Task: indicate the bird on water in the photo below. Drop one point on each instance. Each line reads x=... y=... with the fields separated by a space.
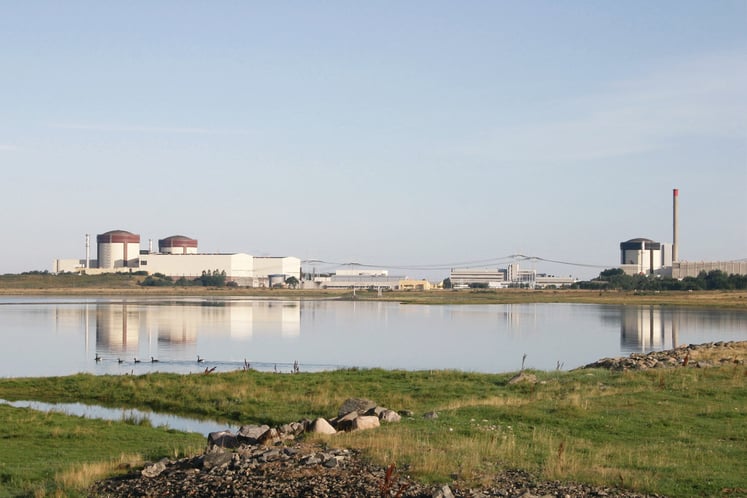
x=137 y=361
x=200 y=360
x=153 y=360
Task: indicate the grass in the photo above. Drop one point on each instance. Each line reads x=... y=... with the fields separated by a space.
x=679 y=432
x=52 y=454
x=128 y=285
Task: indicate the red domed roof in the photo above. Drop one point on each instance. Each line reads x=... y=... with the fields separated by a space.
x=118 y=236
x=177 y=241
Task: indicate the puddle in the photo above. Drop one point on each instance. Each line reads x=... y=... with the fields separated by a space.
x=120 y=414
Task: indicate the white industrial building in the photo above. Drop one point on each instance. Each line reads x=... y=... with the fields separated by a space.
x=497 y=278
x=177 y=257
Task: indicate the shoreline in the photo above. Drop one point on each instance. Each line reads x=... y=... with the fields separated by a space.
x=709 y=299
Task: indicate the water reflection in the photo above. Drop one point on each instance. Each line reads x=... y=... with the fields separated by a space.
x=53 y=336
x=175 y=422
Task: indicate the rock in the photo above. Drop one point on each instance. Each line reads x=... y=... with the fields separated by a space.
x=390 y=416
x=376 y=410
x=443 y=492
x=430 y=415
x=406 y=413
x=154 y=469
x=365 y=422
x=321 y=426
x=250 y=434
x=223 y=439
x=270 y=437
x=523 y=377
x=216 y=459
x=360 y=405
x=344 y=423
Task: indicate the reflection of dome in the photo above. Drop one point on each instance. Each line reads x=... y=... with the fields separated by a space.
x=177 y=244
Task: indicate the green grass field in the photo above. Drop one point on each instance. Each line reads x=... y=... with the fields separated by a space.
x=679 y=432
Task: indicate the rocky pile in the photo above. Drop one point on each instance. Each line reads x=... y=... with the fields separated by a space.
x=263 y=461
x=689 y=355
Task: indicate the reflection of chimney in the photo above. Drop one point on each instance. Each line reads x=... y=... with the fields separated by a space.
x=675 y=231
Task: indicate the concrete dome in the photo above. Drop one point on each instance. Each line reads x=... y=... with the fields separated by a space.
x=115 y=236
x=177 y=244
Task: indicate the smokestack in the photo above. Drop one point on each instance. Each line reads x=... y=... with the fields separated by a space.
x=675 y=229
x=88 y=251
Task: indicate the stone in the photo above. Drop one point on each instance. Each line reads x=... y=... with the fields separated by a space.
x=376 y=410
x=443 y=492
x=406 y=413
x=360 y=405
x=365 y=422
x=250 y=434
x=523 y=377
x=430 y=415
x=344 y=423
x=390 y=416
x=223 y=439
x=154 y=469
x=216 y=459
x=321 y=426
x=269 y=437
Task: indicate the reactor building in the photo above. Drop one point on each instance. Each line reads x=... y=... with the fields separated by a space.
x=645 y=256
x=177 y=257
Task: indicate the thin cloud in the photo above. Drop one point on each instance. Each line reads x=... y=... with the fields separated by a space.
x=148 y=129
x=700 y=97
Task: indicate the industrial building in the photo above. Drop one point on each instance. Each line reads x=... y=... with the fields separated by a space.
x=177 y=257
x=498 y=278
x=644 y=256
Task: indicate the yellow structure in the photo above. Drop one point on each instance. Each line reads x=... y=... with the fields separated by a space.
x=418 y=285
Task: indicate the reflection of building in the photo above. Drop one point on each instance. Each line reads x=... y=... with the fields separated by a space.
x=645 y=329
x=125 y=328
x=117 y=328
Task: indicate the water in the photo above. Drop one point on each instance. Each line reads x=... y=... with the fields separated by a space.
x=47 y=336
x=174 y=422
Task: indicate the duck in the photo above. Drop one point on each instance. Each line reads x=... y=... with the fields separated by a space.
x=137 y=361
x=200 y=360
x=120 y=360
x=153 y=360
x=98 y=358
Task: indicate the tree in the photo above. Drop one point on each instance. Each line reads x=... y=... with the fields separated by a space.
x=292 y=282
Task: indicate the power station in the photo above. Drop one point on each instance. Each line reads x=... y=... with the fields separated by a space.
x=645 y=256
x=119 y=251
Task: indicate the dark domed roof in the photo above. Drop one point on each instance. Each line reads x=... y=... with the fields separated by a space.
x=177 y=241
x=118 y=236
x=640 y=239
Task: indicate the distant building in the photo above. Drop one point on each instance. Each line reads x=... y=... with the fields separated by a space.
x=177 y=257
x=644 y=256
x=512 y=276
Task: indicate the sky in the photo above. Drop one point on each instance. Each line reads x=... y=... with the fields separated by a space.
x=415 y=136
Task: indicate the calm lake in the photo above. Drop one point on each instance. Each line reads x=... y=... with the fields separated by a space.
x=46 y=336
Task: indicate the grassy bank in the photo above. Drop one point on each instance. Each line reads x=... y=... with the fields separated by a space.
x=121 y=285
x=51 y=454
x=680 y=432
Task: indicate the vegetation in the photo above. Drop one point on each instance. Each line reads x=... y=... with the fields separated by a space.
x=713 y=280
x=52 y=454
x=679 y=432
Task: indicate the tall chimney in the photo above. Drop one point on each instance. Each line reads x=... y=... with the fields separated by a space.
x=675 y=229
x=88 y=251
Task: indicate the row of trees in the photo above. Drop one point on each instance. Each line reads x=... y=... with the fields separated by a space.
x=215 y=278
x=616 y=279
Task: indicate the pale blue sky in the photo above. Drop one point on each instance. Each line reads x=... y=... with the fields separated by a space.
x=386 y=133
